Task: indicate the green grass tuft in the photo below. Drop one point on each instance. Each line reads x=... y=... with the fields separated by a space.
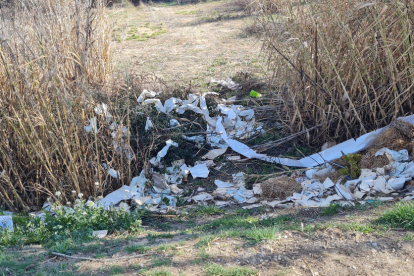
x=218 y=270
x=331 y=210
x=401 y=216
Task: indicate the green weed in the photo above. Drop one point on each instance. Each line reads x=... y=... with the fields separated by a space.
x=218 y=270
x=331 y=210
x=401 y=216
x=256 y=235
x=136 y=248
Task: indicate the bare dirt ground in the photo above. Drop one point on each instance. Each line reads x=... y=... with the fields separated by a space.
x=308 y=243
x=186 y=43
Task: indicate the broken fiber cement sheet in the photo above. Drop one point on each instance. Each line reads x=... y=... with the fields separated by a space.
x=335 y=152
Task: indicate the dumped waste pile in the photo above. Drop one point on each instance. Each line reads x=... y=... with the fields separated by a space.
x=332 y=175
x=309 y=187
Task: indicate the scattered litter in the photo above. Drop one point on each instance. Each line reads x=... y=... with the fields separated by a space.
x=6 y=222
x=214 y=153
x=199 y=171
x=384 y=168
x=92 y=126
x=156 y=160
x=149 y=124
x=254 y=94
x=174 y=123
x=113 y=173
x=228 y=84
x=100 y=234
x=203 y=197
x=146 y=94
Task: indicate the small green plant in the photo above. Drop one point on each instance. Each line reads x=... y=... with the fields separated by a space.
x=215 y=270
x=205 y=241
x=401 y=216
x=154 y=237
x=159 y=273
x=116 y=269
x=331 y=210
x=256 y=235
x=156 y=262
x=207 y=210
x=76 y=224
x=136 y=248
x=352 y=169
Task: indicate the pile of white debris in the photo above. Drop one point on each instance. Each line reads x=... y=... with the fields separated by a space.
x=234 y=124
x=238 y=122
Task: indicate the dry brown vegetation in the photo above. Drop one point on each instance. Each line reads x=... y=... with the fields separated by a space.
x=53 y=56
x=346 y=66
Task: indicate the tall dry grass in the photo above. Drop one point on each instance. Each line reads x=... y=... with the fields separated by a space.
x=344 y=65
x=54 y=56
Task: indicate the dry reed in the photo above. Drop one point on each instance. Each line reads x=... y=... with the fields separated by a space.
x=54 y=56
x=346 y=66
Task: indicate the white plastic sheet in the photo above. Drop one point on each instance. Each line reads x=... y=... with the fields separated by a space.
x=92 y=126
x=335 y=152
x=6 y=222
x=156 y=160
x=199 y=171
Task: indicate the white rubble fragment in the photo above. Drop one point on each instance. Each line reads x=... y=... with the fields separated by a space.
x=6 y=222
x=114 y=173
x=328 y=183
x=222 y=184
x=380 y=184
x=203 y=197
x=380 y=171
x=344 y=192
x=162 y=153
x=209 y=163
x=100 y=234
x=123 y=193
x=396 y=183
x=366 y=185
x=324 y=172
x=233 y=157
x=252 y=200
x=93 y=126
x=311 y=173
x=220 y=203
x=367 y=174
x=239 y=179
x=139 y=182
x=199 y=171
x=408 y=170
x=159 y=181
x=392 y=155
x=148 y=124
x=248 y=207
x=146 y=94
x=326 y=201
x=257 y=189
x=176 y=190
x=174 y=123
x=141 y=200
x=214 y=153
